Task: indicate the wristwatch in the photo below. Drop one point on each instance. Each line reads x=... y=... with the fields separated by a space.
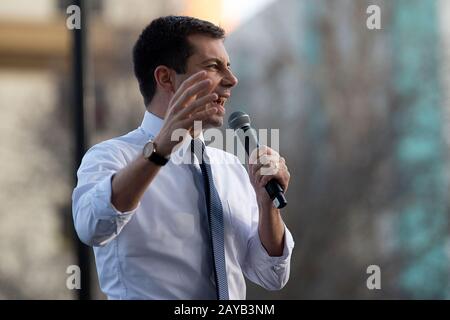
x=149 y=152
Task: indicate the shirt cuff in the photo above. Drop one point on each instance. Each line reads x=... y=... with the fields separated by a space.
x=274 y=260
x=103 y=206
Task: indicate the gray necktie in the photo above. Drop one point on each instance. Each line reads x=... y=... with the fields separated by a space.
x=215 y=220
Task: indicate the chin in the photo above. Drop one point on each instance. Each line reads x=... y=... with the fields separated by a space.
x=214 y=121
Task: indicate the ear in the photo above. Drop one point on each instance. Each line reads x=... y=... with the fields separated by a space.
x=164 y=78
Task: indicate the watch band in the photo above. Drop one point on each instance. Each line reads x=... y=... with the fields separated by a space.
x=158 y=159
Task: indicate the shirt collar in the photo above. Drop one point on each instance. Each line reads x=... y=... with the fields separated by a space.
x=183 y=152
x=151 y=124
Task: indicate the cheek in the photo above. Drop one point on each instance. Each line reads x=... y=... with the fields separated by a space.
x=215 y=78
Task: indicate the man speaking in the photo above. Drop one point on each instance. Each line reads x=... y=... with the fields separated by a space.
x=162 y=228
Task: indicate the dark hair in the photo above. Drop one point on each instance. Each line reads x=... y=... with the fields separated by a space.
x=164 y=42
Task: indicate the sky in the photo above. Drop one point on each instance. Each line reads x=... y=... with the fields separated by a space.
x=239 y=11
x=229 y=14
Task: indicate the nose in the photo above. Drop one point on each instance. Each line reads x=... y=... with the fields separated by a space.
x=229 y=80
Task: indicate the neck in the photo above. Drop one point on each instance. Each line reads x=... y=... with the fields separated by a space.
x=157 y=112
x=158 y=106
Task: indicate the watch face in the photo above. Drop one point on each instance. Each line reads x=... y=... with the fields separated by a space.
x=148 y=149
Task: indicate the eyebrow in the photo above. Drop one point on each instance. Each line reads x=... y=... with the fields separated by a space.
x=218 y=61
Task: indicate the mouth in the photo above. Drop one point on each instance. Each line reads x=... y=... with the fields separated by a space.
x=220 y=103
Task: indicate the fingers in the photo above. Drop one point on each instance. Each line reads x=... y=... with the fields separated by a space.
x=261 y=180
x=198 y=116
x=281 y=175
x=196 y=77
x=259 y=152
x=263 y=161
x=199 y=103
x=190 y=94
x=268 y=167
x=261 y=158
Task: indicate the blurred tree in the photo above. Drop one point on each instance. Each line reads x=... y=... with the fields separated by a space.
x=420 y=155
x=360 y=128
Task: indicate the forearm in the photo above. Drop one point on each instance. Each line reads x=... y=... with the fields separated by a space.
x=271 y=229
x=130 y=183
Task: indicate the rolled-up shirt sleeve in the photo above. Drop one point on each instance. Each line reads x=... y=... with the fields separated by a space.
x=96 y=220
x=272 y=273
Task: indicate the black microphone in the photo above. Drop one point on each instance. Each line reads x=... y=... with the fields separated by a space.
x=241 y=121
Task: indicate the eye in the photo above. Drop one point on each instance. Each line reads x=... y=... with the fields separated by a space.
x=213 y=66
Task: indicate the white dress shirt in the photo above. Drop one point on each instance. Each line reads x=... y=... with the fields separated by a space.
x=160 y=250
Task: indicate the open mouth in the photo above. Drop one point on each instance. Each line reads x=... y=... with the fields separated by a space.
x=221 y=101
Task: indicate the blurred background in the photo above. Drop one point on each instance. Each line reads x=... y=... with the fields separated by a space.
x=363 y=118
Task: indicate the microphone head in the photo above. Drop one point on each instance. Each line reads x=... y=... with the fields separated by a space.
x=238 y=120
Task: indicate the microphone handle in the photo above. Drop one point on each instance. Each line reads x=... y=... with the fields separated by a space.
x=273 y=188
x=276 y=193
